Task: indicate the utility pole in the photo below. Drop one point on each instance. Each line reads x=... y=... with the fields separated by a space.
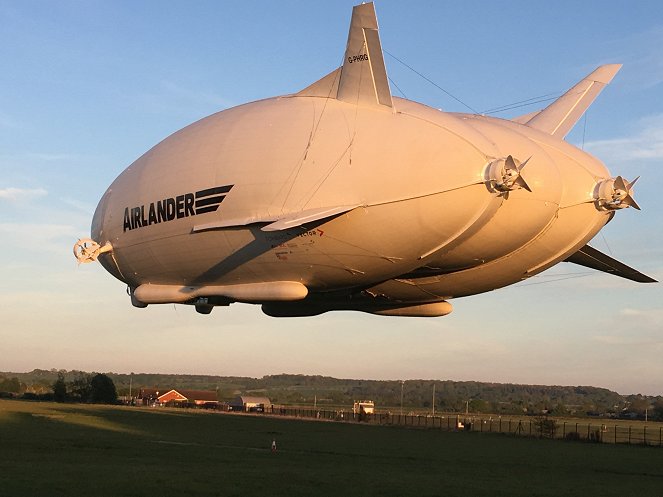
x=131 y=379
x=433 y=399
x=402 y=383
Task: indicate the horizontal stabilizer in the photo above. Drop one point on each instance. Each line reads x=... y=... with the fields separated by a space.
x=276 y=223
x=594 y=259
x=232 y=223
x=308 y=216
x=560 y=116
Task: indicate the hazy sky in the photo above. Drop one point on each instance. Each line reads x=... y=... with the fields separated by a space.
x=86 y=87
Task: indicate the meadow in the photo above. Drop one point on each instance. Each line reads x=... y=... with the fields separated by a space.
x=69 y=449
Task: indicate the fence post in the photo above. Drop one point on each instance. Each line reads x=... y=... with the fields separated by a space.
x=509 y=425
x=629 y=434
x=644 y=435
x=588 y=428
x=564 y=430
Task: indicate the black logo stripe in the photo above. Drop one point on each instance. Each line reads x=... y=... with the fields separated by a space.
x=209 y=201
x=213 y=191
x=203 y=210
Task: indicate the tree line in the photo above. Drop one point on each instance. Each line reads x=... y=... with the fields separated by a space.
x=450 y=396
x=95 y=388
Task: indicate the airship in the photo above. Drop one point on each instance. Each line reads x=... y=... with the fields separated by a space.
x=344 y=197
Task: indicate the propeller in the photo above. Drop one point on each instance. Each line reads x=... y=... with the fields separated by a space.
x=616 y=193
x=87 y=250
x=505 y=175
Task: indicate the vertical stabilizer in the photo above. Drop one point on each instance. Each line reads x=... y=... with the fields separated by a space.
x=363 y=75
x=560 y=116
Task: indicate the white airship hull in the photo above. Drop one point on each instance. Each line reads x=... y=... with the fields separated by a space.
x=319 y=201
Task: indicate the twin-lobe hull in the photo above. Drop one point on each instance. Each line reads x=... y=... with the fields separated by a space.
x=344 y=197
x=417 y=178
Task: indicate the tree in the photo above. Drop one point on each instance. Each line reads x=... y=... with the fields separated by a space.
x=10 y=385
x=102 y=390
x=638 y=404
x=80 y=387
x=545 y=427
x=559 y=410
x=60 y=388
x=658 y=409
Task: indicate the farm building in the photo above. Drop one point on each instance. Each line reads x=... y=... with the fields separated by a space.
x=165 y=396
x=202 y=398
x=250 y=404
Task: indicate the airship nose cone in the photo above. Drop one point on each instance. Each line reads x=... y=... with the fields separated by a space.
x=97 y=230
x=100 y=245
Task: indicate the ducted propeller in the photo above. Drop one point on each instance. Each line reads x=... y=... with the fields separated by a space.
x=505 y=174
x=615 y=193
x=87 y=250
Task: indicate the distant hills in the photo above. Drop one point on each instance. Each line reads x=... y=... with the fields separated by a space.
x=417 y=395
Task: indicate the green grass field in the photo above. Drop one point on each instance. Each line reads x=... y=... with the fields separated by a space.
x=51 y=449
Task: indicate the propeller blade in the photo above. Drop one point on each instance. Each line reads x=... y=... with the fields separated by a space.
x=620 y=184
x=520 y=181
x=630 y=185
x=509 y=163
x=629 y=200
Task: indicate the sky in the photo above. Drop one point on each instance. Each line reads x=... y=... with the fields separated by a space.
x=86 y=87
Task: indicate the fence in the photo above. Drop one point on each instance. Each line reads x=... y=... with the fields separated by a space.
x=618 y=432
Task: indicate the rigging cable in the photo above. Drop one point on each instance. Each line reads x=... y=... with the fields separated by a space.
x=397 y=87
x=430 y=81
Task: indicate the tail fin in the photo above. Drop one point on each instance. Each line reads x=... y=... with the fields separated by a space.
x=363 y=77
x=590 y=257
x=559 y=117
